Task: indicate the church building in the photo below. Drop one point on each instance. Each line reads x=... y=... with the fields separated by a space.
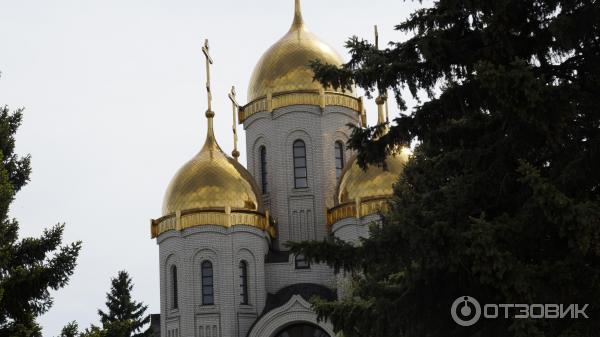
x=224 y=267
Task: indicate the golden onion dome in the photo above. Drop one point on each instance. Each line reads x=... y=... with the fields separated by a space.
x=374 y=182
x=212 y=180
x=285 y=66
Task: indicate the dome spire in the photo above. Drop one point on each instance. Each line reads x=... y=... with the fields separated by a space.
x=381 y=100
x=210 y=135
x=298 y=20
x=236 y=108
x=211 y=188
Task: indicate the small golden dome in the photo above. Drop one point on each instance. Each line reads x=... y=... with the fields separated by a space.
x=285 y=66
x=212 y=180
x=372 y=183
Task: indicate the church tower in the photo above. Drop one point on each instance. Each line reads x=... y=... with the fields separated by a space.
x=225 y=270
x=296 y=131
x=213 y=237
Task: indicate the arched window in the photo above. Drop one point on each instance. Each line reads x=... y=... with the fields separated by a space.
x=174 y=294
x=300 y=171
x=208 y=294
x=243 y=282
x=263 y=169
x=339 y=159
x=301 y=262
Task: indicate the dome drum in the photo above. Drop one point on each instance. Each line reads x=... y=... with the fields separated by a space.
x=320 y=98
x=358 y=209
x=365 y=192
x=283 y=75
x=224 y=217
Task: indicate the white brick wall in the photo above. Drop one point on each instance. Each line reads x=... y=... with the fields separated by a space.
x=225 y=248
x=281 y=275
x=351 y=230
x=301 y=215
x=319 y=129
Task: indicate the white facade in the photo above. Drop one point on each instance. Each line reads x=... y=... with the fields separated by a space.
x=239 y=280
x=272 y=272
x=300 y=212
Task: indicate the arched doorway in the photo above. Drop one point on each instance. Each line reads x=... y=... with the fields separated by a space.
x=302 y=330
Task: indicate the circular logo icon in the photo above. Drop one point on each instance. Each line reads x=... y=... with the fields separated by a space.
x=466 y=311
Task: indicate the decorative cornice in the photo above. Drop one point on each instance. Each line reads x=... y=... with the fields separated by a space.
x=321 y=98
x=357 y=209
x=218 y=217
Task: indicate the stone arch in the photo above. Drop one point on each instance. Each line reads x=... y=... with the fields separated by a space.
x=206 y=254
x=340 y=136
x=245 y=254
x=296 y=310
x=254 y=158
x=171 y=263
x=257 y=117
x=303 y=135
x=297 y=109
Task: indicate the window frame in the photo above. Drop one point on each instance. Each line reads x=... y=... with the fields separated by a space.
x=300 y=262
x=206 y=266
x=339 y=158
x=300 y=144
x=174 y=288
x=243 y=270
x=262 y=153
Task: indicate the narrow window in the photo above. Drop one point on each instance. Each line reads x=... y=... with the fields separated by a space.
x=263 y=169
x=301 y=262
x=174 y=295
x=339 y=159
x=243 y=282
x=208 y=297
x=300 y=172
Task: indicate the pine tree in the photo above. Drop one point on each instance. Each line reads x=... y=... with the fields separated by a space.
x=70 y=330
x=29 y=267
x=125 y=317
x=110 y=329
x=501 y=199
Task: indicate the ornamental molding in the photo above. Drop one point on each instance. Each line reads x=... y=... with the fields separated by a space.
x=225 y=217
x=321 y=98
x=296 y=310
x=358 y=209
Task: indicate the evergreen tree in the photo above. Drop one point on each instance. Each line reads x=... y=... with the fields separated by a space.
x=70 y=330
x=501 y=199
x=125 y=317
x=110 y=329
x=29 y=267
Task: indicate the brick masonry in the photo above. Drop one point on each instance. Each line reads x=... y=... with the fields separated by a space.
x=300 y=215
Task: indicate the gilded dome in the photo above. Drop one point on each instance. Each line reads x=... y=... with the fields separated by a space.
x=371 y=183
x=212 y=180
x=285 y=66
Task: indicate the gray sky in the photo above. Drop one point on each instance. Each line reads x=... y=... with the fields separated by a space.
x=114 y=97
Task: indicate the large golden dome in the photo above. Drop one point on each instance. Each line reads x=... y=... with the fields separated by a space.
x=374 y=182
x=212 y=180
x=285 y=66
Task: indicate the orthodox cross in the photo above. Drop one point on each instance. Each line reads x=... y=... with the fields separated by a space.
x=209 y=61
x=382 y=96
x=236 y=107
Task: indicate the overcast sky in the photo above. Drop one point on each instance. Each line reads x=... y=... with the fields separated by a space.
x=114 y=97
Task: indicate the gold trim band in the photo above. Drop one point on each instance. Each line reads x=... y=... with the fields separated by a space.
x=323 y=98
x=225 y=218
x=349 y=209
